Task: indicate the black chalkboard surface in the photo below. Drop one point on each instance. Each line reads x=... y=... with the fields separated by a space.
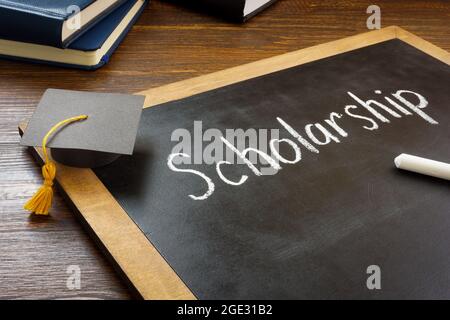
x=311 y=229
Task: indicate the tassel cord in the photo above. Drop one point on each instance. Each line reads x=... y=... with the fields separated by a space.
x=41 y=202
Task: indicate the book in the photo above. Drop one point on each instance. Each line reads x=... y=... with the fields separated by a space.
x=91 y=50
x=237 y=10
x=51 y=22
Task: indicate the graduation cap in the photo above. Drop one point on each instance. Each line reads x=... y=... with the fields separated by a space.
x=82 y=129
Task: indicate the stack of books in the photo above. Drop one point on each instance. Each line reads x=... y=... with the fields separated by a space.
x=74 y=33
x=84 y=33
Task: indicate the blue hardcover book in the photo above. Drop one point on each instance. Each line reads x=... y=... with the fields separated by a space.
x=51 y=22
x=90 y=51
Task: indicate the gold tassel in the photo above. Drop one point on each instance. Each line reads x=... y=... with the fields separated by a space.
x=41 y=202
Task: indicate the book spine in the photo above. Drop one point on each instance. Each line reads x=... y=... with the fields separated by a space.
x=233 y=10
x=228 y=9
x=25 y=26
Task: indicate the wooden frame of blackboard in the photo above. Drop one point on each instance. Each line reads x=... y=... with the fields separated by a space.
x=133 y=255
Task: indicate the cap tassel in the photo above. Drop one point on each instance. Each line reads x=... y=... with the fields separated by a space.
x=41 y=202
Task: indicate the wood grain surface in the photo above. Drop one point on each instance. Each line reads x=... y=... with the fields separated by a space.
x=167 y=44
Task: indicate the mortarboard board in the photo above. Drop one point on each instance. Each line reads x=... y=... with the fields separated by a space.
x=109 y=131
x=83 y=129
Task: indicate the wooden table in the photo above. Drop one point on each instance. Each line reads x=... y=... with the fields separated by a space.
x=167 y=44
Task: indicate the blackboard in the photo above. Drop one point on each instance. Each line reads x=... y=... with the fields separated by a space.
x=312 y=229
x=354 y=210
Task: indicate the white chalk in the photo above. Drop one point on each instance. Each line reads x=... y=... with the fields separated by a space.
x=424 y=166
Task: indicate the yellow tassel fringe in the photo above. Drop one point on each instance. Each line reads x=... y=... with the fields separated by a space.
x=41 y=202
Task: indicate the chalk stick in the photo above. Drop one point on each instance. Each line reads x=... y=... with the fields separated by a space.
x=424 y=166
